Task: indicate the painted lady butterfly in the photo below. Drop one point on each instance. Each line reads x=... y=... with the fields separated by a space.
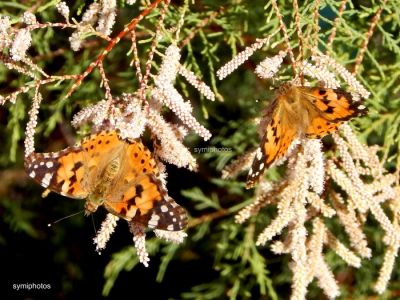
x=119 y=174
x=300 y=111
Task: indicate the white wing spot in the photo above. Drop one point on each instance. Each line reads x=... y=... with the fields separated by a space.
x=258 y=154
x=35 y=166
x=42 y=163
x=46 y=180
x=164 y=208
x=65 y=187
x=32 y=174
x=131 y=213
x=153 y=222
x=49 y=164
x=261 y=166
x=173 y=203
x=170 y=227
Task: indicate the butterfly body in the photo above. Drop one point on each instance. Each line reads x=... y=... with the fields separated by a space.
x=105 y=170
x=103 y=187
x=300 y=111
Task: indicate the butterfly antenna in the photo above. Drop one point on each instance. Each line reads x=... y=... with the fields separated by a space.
x=66 y=217
x=94 y=225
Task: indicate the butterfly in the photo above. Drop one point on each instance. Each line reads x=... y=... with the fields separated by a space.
x=105 y=170
x=298 y=111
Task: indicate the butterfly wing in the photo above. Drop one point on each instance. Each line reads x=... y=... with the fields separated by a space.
x=333 y=104
x=61 y=172
x=328 y=109
x=320 y=127
x=72 y=171
x=140 y=197
x=279 y=134
x=314 y=111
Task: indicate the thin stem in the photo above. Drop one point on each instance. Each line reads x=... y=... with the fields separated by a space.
x=105 y=82
x=368 y=35
x=298 y=29
x=181 y=20
x=336 y=24
x=130 y=27
x=143 y=83
x=316 y=26
x=285 y=34
x=135 y=60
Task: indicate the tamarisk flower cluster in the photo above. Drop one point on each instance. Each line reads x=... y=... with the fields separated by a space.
x=102 y=12
x=165 y=93
x=307 y=195
x=299 y=201
x=243 y=56
x=15 y=41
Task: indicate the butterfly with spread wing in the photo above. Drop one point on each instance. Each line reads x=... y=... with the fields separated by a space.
x=298 y=111
x=105 y=170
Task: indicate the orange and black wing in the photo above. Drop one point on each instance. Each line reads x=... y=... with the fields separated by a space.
x=329 y=109
x=334 y=104
x=61 y=172
x=139 y=196
x=72 y=171
x=278 y=136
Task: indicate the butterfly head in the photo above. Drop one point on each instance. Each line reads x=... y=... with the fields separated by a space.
x=284 y=88
x=91 y=206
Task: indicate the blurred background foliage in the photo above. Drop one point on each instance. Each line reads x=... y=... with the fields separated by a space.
x=219 y=258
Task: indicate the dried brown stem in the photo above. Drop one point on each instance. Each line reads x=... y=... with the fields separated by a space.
x=368 y=35
x=336 y=24
x=130 y=27
x=143 y=82
x=12 y=65
x=26 y=88
x=135 y=60
x=316 y=26
x=282 y=27
x=208 y=217
x=104 y=80
x=298 y=29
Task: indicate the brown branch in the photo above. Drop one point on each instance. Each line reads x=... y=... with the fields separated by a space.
x=298 y=28
x=135 y=60
x=208 y=217
x=316 y=27
x=130 y=27
x=143 y=82
x=284 y=31
x=104 y=80
x=24 y=89
x=336 y=23
x=368 y=35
